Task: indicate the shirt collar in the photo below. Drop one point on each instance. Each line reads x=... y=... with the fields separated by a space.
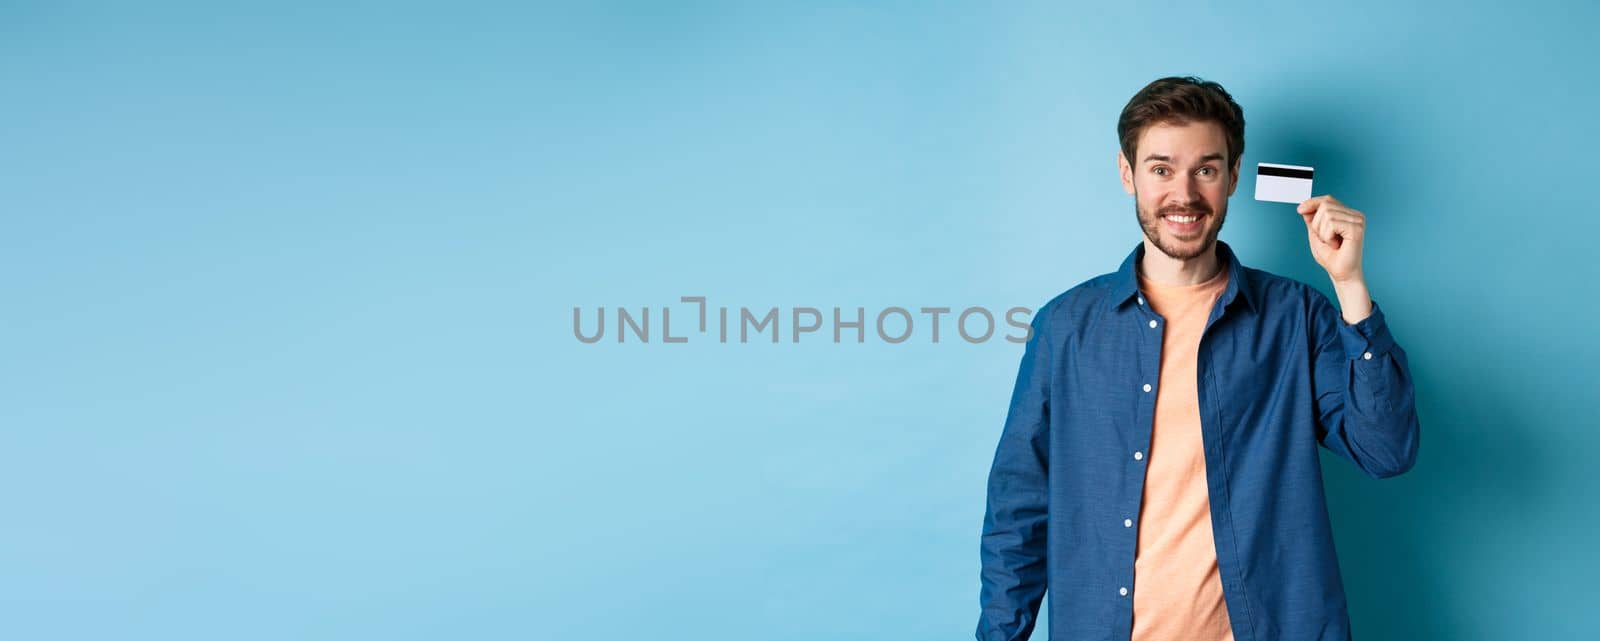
x=1125 y=283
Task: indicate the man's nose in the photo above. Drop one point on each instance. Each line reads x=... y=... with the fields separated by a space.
x=1188 y=193
x=1191 y=188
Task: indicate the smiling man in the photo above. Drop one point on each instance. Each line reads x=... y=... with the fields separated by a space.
x=1158 y=469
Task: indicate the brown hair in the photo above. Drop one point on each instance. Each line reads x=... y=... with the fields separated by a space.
x=1180 y=100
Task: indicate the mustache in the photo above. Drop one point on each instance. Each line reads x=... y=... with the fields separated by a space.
x=1193 y=209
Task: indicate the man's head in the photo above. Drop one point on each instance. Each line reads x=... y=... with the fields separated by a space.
x=1181 y=139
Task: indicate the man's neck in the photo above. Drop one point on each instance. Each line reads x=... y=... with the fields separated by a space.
x=1166 y=270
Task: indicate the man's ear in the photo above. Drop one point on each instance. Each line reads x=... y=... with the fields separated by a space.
x=1235 y=184
x=1126 y=171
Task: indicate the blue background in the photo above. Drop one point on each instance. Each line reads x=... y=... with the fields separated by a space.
x=286 y=346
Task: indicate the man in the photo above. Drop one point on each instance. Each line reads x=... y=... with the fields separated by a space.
x=1158 y=467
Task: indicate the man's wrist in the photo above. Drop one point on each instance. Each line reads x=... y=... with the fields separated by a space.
x=1355 y=302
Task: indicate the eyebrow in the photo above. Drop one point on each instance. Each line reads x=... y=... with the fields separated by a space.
x=1203 y=159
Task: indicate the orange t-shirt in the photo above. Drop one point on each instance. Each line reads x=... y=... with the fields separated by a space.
x=1178 y=591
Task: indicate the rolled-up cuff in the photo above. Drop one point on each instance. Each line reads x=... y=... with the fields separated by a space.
x=1367 y=339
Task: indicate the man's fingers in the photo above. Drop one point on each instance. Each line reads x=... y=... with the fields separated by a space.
x=1342 y=215
x=1329 y=221
x=1314 y=203
x=1328 y=225
x=1348 y=228
x=1334 y=212
x=1313 y=223
x=1328 y=230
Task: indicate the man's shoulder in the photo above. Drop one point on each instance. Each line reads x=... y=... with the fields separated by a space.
x=1077 y=301
x=1277 y=292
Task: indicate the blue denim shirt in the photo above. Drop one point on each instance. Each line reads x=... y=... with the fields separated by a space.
x=1279 y=372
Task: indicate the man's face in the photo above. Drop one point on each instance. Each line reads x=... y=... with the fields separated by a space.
x=1181 y=171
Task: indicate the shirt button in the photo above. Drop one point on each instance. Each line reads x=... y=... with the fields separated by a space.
x=1367 y=356
x=1146 y=387
x=1141 y=300
x=1123 y=591
x=1138 y=456
x=1152 y=324
x=1127 y=522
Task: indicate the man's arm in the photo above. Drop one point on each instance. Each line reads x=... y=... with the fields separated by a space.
x=1365 y=403
x=1013 y=544
x=1366 y=409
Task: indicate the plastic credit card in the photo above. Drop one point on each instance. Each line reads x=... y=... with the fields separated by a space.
x=1283 y=183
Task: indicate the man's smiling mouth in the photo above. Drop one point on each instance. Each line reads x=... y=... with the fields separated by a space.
x=1184 y=224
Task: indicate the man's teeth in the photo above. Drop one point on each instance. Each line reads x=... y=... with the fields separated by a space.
x=1183 y=219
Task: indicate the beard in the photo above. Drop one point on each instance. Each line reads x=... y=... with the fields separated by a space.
x=1151 y=223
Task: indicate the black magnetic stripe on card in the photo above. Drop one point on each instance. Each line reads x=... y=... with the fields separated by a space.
x=1283 y=171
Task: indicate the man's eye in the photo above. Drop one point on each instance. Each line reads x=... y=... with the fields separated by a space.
x=1161 y=171
x=1206 y=169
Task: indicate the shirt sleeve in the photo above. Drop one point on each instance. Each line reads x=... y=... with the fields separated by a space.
x=1013 y=543
x=1365 y=402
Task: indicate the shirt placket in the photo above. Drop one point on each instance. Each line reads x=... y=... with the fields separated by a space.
x=1217 y=491
x=1148 y=339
